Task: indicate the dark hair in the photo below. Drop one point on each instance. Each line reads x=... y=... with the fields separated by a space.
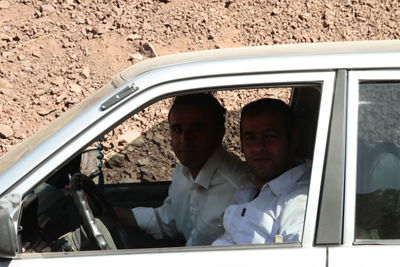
x=269 y=104
x=206 y=100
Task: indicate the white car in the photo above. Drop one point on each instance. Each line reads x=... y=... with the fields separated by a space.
x=346 y=96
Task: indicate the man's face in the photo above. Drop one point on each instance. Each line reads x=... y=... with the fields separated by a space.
x=194 y=136
x=265 y=145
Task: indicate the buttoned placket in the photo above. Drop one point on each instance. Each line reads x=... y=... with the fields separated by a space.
x=193 y=200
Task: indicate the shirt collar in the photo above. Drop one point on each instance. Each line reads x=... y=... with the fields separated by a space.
x=207 y=171
x=288 y=179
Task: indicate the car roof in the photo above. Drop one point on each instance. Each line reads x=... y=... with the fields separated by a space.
x=274 y=51
x=357 y=47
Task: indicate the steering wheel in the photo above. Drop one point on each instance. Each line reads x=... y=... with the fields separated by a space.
x=91 y=204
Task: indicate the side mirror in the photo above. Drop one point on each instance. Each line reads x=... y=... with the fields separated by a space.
x=8 y=240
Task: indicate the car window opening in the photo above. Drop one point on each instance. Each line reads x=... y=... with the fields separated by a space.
x=137 y=170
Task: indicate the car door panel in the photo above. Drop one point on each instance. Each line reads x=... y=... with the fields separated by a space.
x=239 y=256
x=137 y=194
x=372 y=171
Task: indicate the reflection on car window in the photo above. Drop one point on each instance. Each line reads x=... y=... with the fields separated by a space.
x=378 y=162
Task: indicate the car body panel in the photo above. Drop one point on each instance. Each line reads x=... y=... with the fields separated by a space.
x=364 y=256
x=241 y=256
x=335 y=68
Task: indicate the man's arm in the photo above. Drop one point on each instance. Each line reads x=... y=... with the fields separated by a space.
x=223 y=240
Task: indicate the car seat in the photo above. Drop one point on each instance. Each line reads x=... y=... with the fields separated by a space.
x=378 y=203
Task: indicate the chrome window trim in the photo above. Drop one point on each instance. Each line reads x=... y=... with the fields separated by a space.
x=185 y=249
x=355 y=78
x=239 y=255
x=376 y=242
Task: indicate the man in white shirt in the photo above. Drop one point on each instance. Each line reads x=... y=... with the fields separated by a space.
x=205 y=181
x=272 y=208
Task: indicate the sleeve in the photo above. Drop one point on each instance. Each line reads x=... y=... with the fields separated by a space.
x=165 y=217
x=146 y=220
x=158 y=222
x=224 y=240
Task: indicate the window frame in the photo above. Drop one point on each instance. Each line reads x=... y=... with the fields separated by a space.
x=356 y=78
x=144 y=98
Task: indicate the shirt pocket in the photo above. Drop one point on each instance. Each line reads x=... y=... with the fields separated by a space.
x=254 y=226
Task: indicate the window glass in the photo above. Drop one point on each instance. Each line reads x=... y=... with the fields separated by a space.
x=139 y=150
x=137 y=167
x=378 y=162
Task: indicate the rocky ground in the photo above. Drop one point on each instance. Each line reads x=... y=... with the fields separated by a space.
x=53 y=53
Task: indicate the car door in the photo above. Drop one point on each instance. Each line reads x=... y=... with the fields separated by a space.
x=371 y=218
x=299 y=254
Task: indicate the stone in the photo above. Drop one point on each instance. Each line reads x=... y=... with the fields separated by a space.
x=100 y=29
x=129 y=137
x=26 y=63
x=44 y=112
x=76 y=88
x=85 y=72
x=39 y=92
x=148 y=49
x=61 y=98
x=116 y=160
x=144 y=161
x=158 y=139
x=16 y=126
x=4 y=84
x=138 y=142
x=58 y=81
x=80 y=20
x=89 y=162
x=146 y=176
x=47 y=8
x=6 y=131
x=5 y=37
x=7 y=92
x=228 y=3
x=132 y=37
x=36 y=54
x=4 y=4
x=136 y=57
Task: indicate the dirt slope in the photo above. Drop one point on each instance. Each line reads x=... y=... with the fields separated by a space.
x=54 y=53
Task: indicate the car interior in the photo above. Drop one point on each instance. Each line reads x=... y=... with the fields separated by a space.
x=66 y=212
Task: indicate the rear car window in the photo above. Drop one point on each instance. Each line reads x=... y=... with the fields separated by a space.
x=378 y=162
